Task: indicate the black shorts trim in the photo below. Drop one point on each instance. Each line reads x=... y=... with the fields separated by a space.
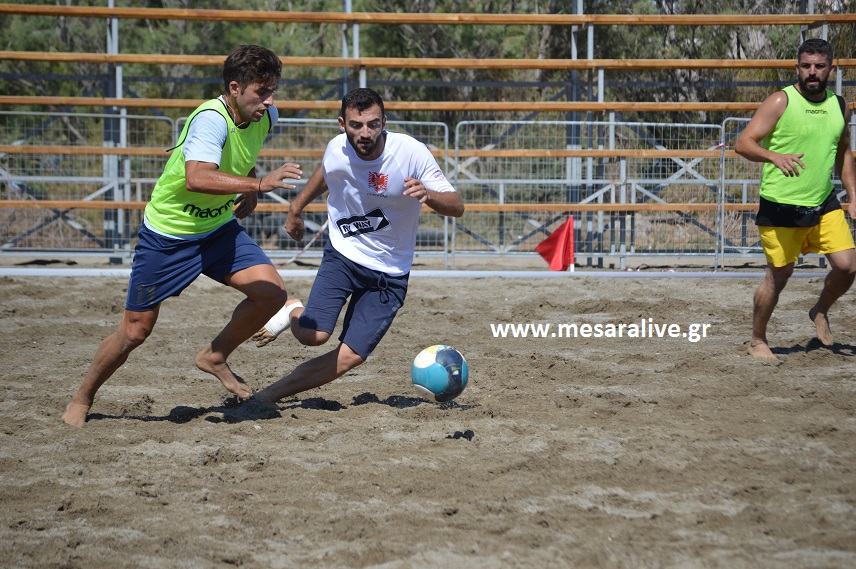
x=772 y=214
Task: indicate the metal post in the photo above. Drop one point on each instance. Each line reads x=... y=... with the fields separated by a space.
x=622 y=218
x=347 y=9
x=719 y=256
x=824 y=28
x=590 y=161
x=123 y=191
x=355 y=30
x=446 y=242
x=600 y=170
x=453 y=244
x=744 y=219
x=572 y=131
x=852 y=133
x=111 y=163
x=501 y=222
x=808 y=7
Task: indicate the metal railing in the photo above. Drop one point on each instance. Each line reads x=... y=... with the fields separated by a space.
x=73 y=182
x=624 y=166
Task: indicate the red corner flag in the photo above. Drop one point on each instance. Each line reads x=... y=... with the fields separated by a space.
x=558 y=248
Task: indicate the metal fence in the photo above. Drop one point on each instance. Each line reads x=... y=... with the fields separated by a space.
x=61 y=174
x=44 y=174
x=739 y=184
x=634 y=189
x=629 y=164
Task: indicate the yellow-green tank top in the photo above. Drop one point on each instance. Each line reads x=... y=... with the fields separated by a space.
x=808 y=128
x=176 y=211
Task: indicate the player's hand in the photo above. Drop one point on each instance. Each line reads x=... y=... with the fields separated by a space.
x=789 y=164
x=294 y=226
x=851 y=209
x=246 y=204
x=415 y=189
x=276 y=180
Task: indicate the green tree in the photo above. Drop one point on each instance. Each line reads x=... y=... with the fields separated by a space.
x=66 y=34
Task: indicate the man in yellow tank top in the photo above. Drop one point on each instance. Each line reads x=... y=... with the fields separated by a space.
x=189 y=228
x=800 y=134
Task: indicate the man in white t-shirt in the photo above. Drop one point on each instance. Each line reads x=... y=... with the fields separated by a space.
x=377 y=183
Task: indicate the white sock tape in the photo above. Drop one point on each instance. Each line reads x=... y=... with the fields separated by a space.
x=282 y=319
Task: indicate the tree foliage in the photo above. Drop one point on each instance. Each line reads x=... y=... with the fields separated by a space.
x=40 y=33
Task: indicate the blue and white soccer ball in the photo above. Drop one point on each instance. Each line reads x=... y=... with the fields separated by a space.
x=440 y=372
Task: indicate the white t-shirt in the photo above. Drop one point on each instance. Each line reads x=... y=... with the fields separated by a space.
x=371 y=222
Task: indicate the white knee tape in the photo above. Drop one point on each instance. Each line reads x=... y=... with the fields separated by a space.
x=282 y=319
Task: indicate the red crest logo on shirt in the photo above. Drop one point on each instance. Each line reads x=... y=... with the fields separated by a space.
x=378 y=182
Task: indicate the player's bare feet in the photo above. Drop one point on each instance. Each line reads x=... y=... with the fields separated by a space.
x=821 y=323
x=263 y=337
x=75 y=413
x=233 y=383
x=761 y=351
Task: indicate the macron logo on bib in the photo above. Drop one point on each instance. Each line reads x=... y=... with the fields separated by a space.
x=374 y=220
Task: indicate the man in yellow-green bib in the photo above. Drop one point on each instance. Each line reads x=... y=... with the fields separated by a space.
x=190 y=228
x=801 y=135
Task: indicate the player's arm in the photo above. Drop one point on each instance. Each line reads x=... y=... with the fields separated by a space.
x=440 y=196
x=206 y=178
x=203 y=148
x=247 y=202
x=845 y=166
x=749 y=142
x=444 y=203
x=312 y=190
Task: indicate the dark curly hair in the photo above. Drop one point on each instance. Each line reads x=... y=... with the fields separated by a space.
x=815 y=46
x=361 y=99
x=251 y=64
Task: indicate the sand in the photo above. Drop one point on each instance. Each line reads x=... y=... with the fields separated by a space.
x=598 y=452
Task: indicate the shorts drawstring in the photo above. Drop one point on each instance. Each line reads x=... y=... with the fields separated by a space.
x=382 y=286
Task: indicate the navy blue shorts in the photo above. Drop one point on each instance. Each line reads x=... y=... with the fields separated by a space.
x=163 y=267
x=375 y=300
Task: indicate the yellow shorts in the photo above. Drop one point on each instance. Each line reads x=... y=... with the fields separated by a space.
x=783 y=245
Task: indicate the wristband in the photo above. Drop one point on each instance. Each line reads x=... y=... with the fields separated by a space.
x=260 y=185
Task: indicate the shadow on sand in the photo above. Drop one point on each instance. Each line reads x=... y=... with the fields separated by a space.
x=815 y=344
x=233 y=410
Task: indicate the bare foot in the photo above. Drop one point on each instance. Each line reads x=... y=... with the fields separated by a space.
x=220 y=369
x=262 y=338
x=761 y=351
x=821 y=323
x=75 y=414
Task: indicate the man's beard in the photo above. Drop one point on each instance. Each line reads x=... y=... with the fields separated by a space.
x=813 y=90
x=369 y=150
